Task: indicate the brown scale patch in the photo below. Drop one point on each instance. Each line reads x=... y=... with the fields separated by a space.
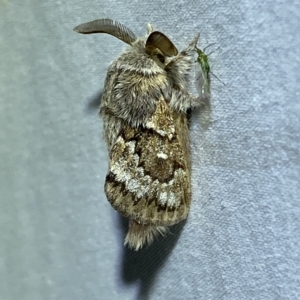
x=165 y=137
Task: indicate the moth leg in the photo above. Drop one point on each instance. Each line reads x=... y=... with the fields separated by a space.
x=183 y=101
x=178 y=71
x=196 y=102
x=186 y=56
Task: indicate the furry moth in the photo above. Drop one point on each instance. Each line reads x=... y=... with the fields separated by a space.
x=144 y=109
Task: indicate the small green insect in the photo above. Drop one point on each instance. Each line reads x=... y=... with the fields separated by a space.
x=203 y=73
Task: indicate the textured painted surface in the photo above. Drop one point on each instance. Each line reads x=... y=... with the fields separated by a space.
x=59 y=237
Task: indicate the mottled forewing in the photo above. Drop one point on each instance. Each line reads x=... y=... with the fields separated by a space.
x=149 y=172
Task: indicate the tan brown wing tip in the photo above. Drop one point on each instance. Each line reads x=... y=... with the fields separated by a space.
x=140 y=235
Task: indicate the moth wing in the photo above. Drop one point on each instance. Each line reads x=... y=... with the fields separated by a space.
x=149 y=173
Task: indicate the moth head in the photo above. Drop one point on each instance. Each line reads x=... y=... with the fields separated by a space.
x=159 y=47
x=108 y=26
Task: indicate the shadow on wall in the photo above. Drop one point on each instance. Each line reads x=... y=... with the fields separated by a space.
x=93 y=102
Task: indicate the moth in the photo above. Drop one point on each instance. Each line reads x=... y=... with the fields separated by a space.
x=144 y=109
